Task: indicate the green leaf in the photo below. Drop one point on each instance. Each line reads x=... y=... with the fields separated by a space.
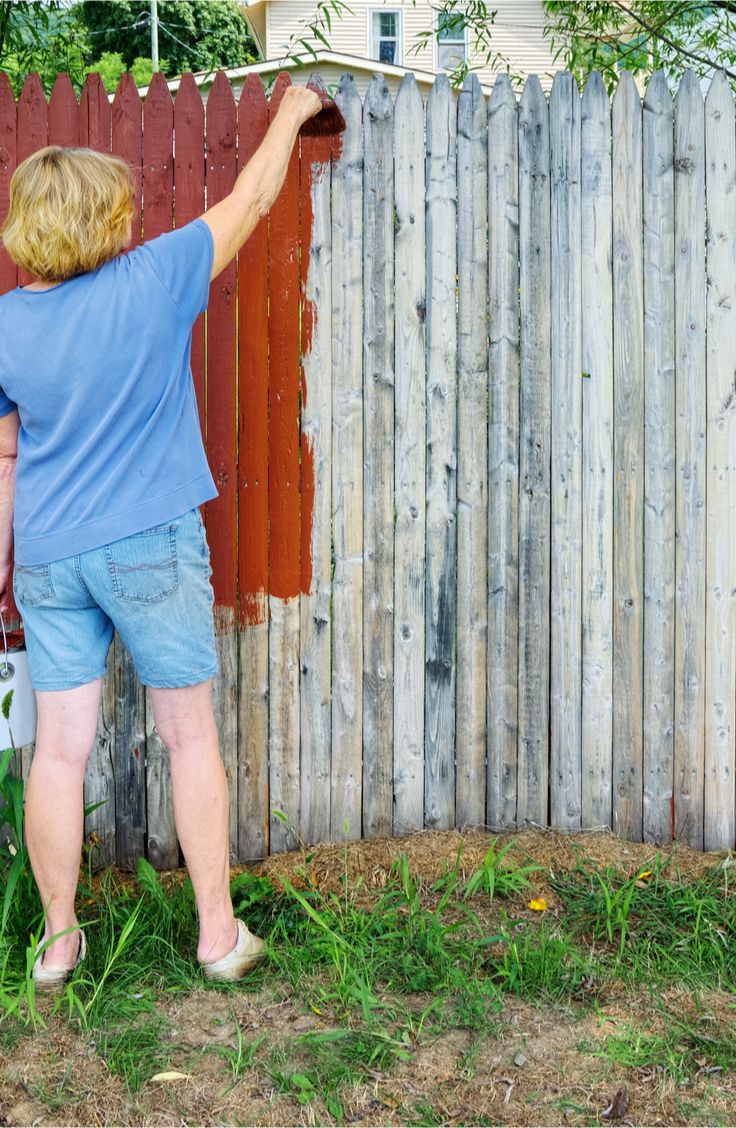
x=301 y=1081
x=7 y=702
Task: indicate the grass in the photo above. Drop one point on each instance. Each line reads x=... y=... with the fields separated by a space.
x=421 y=960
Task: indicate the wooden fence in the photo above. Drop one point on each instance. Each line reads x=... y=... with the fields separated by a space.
x=470 y=402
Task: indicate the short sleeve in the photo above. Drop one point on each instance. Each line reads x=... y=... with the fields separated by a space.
x=182 y=261
x=6 y=405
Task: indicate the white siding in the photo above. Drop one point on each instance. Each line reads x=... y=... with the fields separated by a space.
x=516 y=34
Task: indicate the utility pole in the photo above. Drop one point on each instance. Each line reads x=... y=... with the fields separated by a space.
x=154 y=34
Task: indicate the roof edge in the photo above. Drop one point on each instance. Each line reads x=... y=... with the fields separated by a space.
x=266 y=66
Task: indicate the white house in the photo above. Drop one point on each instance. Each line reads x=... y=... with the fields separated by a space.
x=390 y=38
x=393 y=37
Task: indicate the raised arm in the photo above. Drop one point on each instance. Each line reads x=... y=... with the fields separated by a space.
x=234 y=219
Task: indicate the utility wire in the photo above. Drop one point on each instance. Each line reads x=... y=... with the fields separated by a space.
x=186 y=46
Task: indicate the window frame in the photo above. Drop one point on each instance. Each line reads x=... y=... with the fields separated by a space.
x=436 y=42
x=373 y=49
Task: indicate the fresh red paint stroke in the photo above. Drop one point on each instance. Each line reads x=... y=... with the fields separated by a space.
x=189 y=167
x=283 y=335
x=253 y=379
x=315 y=152
x=221 y=131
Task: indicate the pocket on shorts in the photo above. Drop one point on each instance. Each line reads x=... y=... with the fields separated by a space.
x=201 y=534
x=32 y=584
x=143 y=568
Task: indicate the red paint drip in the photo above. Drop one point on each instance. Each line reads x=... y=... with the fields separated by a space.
x=672 y=816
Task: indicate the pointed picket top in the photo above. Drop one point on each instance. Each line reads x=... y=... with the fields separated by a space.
x=317 y=150
x=564 y=85
x=158 y=90
x=657 y=96
x=278 y=89
x=441 y=136
x=348 y=101
x=126 y=136
x=409 y=96
x=126 y=106
x=63 y=113
x=719 y=96
x=32 y=118
x=472 y=111
x=689 y=91
x=221 y=112
x=252 y=118
x=188 y=104
x=189 y=160
x=378 y=106
x=32 y=92
x=626 y=96
x=158 y=158
x=532 y=96
x=8 y=118
x=6 y=90
x=502 y=95
x=222 y=124
x=595 y=95
x=95 y=115
x=441 y=105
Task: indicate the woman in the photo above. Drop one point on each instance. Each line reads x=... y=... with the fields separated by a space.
x=102 y=471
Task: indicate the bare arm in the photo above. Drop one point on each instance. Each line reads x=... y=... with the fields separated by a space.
x=8 y=451
x=235 y=218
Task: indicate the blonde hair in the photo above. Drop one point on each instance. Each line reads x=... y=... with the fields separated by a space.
x=69 y=212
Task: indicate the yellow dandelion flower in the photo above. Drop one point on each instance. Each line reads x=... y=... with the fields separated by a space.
x=538 y=904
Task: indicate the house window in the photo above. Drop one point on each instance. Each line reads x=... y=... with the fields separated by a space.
x=385 y=36
x=452 y=39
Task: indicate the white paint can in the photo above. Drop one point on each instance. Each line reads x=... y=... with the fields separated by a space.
x=20 y=727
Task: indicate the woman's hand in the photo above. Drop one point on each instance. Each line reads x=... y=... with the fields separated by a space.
x=300 y=101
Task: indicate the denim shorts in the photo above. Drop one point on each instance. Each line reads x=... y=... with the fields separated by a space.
x=152 y=587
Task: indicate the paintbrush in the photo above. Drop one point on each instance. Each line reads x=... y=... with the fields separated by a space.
x=327 y=121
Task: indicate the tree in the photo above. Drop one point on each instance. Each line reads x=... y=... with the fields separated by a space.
x=642 y=37
x=43 y=37
x=111 y=66
x=193 y=34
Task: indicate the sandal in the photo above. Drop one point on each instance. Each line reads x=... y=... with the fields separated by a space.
x=248 y=951
x=53 y=978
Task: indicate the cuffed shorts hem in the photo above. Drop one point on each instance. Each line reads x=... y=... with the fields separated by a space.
x=152 y=587
x=183 y=682
x=70 y=683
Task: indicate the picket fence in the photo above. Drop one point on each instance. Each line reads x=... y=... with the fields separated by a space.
x=469 y=397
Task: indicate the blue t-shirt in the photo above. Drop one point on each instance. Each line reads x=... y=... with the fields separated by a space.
x=99 y=369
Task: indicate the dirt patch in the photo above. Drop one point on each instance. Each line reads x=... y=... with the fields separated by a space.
x=534 y=1069
x=537 y=1065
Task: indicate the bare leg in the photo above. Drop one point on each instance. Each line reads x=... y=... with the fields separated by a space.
x=54 y=808
x=186 y=724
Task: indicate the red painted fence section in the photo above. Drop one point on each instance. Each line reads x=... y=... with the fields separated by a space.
x=221 y=377
x=253 y=378
x=8 y=144
x=127 y=139
x=283 y=443
x=249 y=410
x=189 y=166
